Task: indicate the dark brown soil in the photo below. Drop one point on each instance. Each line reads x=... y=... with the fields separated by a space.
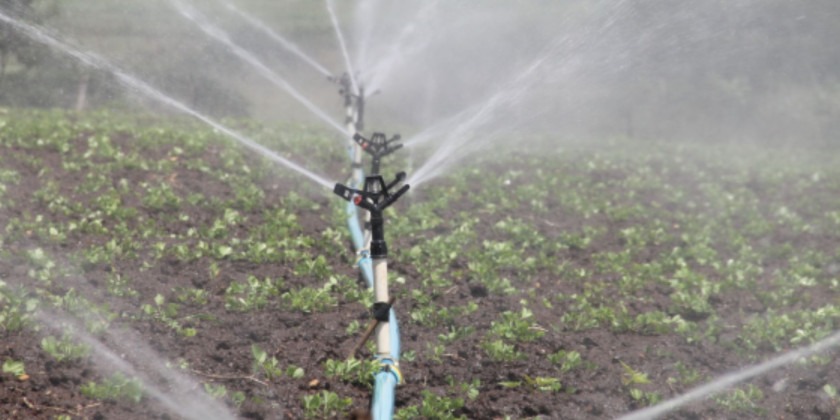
x=221 y=351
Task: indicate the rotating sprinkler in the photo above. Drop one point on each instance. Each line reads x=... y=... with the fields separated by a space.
x=354 y=111
x=378 y=147
x=375 y=197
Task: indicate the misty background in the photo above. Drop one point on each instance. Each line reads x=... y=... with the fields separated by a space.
x=716 y=70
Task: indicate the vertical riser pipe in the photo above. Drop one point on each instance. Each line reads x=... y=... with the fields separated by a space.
x=380 y=290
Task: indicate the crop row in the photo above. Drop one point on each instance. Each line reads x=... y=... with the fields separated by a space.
x=589 y=269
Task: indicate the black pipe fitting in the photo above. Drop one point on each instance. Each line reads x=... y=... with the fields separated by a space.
x=381 y=311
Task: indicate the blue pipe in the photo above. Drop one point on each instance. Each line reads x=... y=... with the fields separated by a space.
x=386 y=380
x=355 y=229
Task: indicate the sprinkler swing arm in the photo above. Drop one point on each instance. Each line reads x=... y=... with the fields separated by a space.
x=375 y=197
x=378 y=147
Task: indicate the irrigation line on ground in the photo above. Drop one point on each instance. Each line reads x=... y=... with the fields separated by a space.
x=730 y=379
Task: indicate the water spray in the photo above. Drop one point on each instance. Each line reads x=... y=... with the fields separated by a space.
x=344 y=53
x=134 y=84
x=375 y=197
x=378 y=147
x=189 y=12
x=284 y=42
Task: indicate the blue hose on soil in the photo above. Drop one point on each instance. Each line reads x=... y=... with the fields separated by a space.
x=386 y=380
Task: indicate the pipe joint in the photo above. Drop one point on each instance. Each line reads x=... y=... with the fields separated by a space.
x=381 y=311
x=392 y=366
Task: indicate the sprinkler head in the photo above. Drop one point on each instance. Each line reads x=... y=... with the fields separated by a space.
x=375 y=197
x=378 y=147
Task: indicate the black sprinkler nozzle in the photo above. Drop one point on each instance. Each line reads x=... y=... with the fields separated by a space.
x=378 y=147
x=375 y=197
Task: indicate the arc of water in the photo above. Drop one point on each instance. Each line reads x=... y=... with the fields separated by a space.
x=344 y=53
x=457 y=140
x=185 y=402
x=132 y=83
x=399 y=51
x=276 y=37
x=724 y=382
x=461 y=130
x=193 y=15
x=367 y=13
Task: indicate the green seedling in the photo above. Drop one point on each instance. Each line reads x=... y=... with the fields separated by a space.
x=16 y=368
x=16 y=308
x=517 y=326
x=632 y=376
x=537 y=383
x=325 y=405
x=64 y=348
x=251 y=295
x=116 y=387
x=567 y=360
x=499 y=351
x=166 y=313
x=351 y=370
x=644 y=397
x=743 y=400
x=433 y=407
x=308 y=299
x=269 y=367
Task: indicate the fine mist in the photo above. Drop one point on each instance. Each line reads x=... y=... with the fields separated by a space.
x=714 y=71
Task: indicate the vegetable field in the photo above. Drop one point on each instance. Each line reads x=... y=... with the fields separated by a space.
x=580 y=281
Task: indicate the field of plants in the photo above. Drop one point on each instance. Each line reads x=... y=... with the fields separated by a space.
x=571 y=281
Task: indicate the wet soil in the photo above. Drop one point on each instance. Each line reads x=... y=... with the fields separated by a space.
x=221 y=351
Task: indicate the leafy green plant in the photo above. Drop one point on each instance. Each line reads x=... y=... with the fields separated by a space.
x=632 y=376
x=743 y=400
x=433 y=407
x=351 y=370
x=308 y=299
x=252 y=295
x=567 y=360
x=264 y=365
x=116 y=387
x=517 y=326
x=537 y=383
x=16 y=308
x=14 y=367
x=644 y=397
x=167 y=313
x=324 y=405
x=500 y=351
x=64 y=348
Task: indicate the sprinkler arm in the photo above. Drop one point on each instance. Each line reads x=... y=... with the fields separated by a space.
x=375 y=198
x=378 y=147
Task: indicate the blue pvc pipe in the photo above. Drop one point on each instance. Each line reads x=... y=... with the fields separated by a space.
x=355 y=229
x=385 y=383
x=386 y=380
